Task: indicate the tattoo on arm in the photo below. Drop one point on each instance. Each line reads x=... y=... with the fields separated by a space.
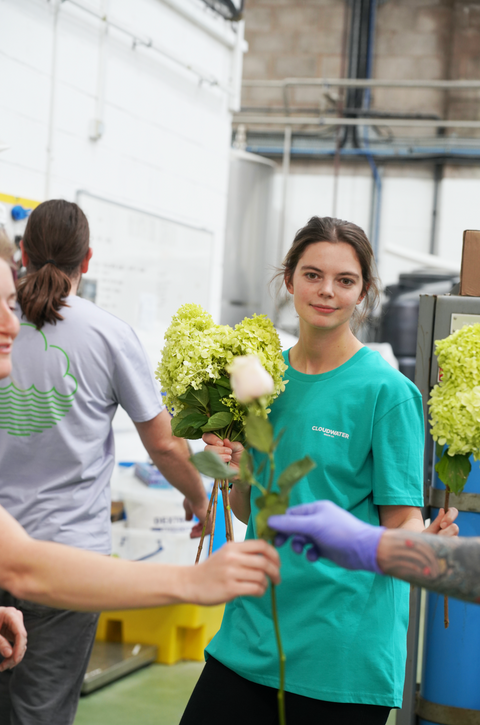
x=450 y=566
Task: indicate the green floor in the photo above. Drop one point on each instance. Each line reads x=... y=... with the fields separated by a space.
x=155 y=695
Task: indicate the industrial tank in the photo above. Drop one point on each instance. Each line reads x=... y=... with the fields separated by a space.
x=399 y=317
x=249 y=247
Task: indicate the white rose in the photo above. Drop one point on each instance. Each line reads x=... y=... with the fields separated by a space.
x=249 y=379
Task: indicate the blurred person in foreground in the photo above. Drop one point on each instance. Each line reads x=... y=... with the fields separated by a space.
x=60 y=576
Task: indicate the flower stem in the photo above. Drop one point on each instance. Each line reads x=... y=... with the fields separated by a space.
x=271 y=458
x=282 y=658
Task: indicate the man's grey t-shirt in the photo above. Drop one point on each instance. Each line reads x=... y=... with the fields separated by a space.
x=56 y=410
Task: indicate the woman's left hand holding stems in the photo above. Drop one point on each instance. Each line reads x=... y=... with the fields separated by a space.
x=231 y=452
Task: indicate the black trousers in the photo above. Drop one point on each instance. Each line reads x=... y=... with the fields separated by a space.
x=221 y=696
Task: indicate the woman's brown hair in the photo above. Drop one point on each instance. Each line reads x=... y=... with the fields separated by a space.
x=56 y=241
x=328 y=229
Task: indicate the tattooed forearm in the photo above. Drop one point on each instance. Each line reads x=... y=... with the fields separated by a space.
x=450 y=566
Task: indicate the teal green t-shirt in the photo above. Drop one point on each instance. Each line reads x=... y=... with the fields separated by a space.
x=344 y=632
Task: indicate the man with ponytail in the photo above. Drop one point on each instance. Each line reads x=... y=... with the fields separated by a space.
x=73 y=364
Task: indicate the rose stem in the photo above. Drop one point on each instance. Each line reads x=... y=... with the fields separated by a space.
x=214 y=517
x=281 y=654
x=202 y=538
x=446 y=620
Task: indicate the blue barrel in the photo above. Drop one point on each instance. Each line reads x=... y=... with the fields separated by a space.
x=451 y=661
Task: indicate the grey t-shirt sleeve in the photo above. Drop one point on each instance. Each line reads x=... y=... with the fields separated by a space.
x=134 y=384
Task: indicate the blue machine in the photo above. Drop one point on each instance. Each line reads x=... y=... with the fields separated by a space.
x=451 y=658
x=450 y=681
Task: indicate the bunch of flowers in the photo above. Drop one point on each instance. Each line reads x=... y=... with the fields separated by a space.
x=455 y=401
x=455 y=411
x=193 y=371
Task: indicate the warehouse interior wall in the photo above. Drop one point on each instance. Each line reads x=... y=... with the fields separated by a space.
x=90 y=107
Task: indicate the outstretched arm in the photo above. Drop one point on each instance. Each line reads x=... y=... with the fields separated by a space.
x=442 y=563
x=69 y=578
x=450 y=566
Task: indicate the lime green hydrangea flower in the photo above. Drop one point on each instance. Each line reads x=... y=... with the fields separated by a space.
x=197 y=353
x=455 y=401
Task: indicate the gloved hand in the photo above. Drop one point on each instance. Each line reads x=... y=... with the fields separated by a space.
x=333 y=534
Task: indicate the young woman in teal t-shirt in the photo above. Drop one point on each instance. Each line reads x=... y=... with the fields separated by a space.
x=344 y=632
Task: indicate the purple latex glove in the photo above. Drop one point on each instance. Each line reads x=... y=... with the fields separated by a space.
x=332 y=533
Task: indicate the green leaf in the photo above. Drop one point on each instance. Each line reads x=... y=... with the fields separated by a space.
x=194 y=420
x=218 y=421
x=293 y=473
x=183 y=413
x=216 y=405
x=261 y=467
x=196 y=398
x=182 y=429
x=211 y=465
x=439 y=450
x=246 y=467
x=278 y=438
x=453 y=471
x=259 y=433
x=224 y=383
x=270 y=505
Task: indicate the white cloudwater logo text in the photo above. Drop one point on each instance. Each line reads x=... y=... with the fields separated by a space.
x=330 y=433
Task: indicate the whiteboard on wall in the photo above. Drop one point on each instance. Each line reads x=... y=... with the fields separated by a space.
x=145 y=266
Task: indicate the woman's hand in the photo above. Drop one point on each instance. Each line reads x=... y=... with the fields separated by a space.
x=229 y=452
x=443 y=525
x=235 y=570
x=13 y=637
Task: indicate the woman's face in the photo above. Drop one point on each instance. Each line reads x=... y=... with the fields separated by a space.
x=9 y=325
x=327 y=285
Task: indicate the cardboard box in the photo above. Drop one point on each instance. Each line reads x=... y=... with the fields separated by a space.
x=470 y=272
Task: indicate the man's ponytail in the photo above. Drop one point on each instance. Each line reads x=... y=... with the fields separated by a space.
x=56 y=241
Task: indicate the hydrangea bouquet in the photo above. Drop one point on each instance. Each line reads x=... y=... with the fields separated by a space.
x=194 y=375
x=455 y=410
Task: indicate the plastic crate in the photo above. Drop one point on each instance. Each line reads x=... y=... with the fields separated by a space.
x=180 y=631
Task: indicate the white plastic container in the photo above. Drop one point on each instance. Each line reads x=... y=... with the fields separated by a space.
x=164 y=547
x=148 y=508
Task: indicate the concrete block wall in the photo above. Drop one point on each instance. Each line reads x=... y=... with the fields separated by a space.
x=415 y=39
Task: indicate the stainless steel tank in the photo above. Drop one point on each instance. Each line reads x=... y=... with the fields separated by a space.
x=250 y=253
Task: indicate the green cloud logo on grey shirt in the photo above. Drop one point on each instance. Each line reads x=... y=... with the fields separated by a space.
x=27 y=410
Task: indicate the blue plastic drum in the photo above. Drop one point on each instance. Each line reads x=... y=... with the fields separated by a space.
x=451 y=659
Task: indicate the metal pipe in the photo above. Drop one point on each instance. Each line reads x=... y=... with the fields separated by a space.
x=145 y=41
x=363 y=83
x=428 y=260
x=287 y=147
x=251 y=120
x=204 y=21
x=237 y=69
x=97 y=126
x=53 y=92
x=437 y=178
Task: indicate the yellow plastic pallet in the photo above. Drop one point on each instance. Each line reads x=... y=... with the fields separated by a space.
x=180 y=631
